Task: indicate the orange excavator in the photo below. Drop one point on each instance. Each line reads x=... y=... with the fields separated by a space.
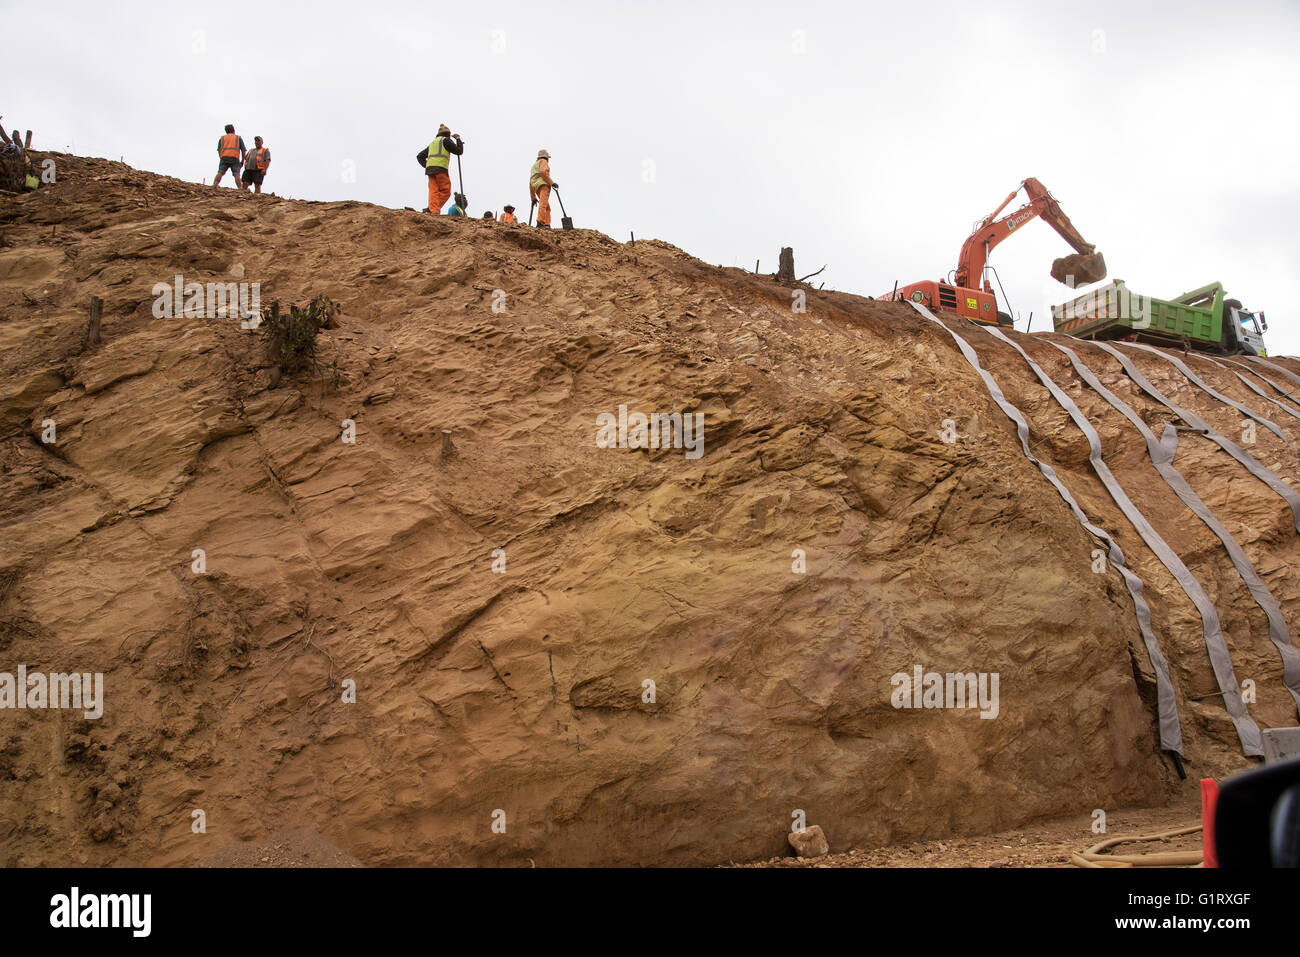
x=970 y=295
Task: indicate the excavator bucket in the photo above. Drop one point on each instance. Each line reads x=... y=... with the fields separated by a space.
x=1086 y=268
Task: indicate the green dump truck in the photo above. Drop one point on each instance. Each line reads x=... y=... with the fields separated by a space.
x=1202 y=319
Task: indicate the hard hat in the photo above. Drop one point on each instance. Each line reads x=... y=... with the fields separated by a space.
x=543 y=155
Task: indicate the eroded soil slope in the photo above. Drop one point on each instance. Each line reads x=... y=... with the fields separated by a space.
x=522 y=691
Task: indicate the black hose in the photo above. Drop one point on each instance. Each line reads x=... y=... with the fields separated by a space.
x=1010 y=311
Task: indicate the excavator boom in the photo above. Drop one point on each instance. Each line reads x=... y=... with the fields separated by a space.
x=1085 y=266
x=970 y=295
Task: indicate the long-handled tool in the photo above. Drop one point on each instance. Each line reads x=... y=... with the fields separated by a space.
x=565 y=221
x=460 y=175
x=530 y=212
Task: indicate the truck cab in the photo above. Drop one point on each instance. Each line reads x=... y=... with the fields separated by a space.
x=1248 y=326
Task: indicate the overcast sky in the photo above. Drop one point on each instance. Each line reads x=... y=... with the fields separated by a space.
x=868 y=137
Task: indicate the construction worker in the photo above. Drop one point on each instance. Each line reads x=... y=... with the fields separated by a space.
x=230 y=148
x=256 y=163
x=435 y=159
x=508 y=216
x=539 y=188
x=459 y=207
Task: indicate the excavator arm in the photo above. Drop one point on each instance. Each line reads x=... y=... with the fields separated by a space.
x=1085 y=266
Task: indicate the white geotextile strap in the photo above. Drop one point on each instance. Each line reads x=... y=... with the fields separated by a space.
x=1289 y=393
x=1192 y=377
x=1171 y=735
x=1254 y=388
x=1162 y=457
x=1220 y=661
x=1251 y=464
x=1258 y=360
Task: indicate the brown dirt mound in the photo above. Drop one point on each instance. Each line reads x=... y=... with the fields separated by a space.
x=515 y=697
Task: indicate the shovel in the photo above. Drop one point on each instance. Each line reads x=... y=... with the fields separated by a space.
x=530 y=212
x=565 y=221
x=460 y=175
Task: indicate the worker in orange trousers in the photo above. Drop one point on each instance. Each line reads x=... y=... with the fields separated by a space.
x=435 y=160
x=539 y=188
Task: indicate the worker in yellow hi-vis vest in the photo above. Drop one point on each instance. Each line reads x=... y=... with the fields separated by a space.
x=539 y=188
x=435 y=160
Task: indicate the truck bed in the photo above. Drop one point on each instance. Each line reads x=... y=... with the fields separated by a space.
x=1115 y=312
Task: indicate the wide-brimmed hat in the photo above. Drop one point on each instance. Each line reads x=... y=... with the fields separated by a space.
x=508 y=209
x=543 y=155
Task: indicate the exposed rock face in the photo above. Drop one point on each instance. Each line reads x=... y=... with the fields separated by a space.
x=560 y=652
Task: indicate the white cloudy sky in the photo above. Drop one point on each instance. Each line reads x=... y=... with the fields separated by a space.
x=1166 y=130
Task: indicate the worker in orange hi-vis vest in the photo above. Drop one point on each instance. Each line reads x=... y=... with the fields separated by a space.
x=539 y=188
x=256 y=163
x=508 y=216
x=230 y=148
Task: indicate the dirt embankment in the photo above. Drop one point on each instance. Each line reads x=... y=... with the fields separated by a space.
x=499 y=611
